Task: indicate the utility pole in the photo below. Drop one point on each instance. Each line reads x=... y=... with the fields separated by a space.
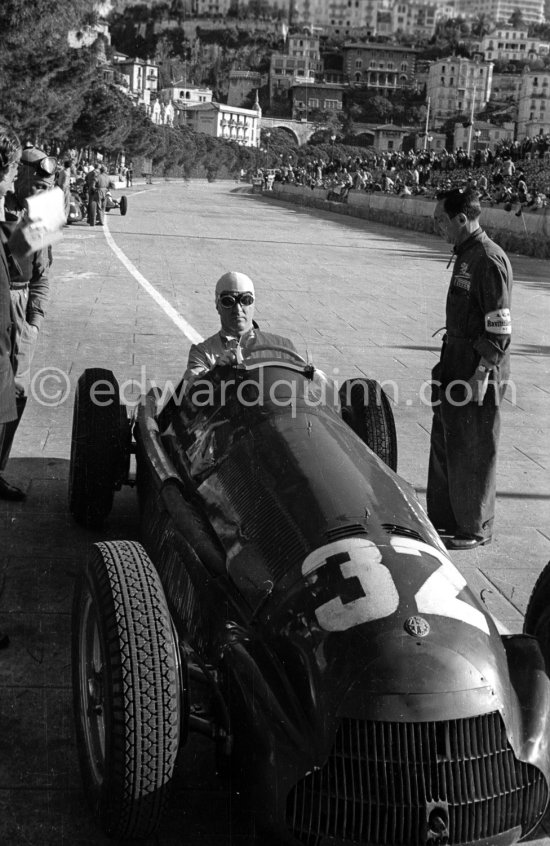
x=472 y=112
x=427 y=124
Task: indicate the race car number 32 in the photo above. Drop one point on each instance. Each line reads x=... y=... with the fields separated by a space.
x=359 y=588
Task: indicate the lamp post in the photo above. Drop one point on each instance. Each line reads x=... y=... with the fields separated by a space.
x=267 y=137
x=429 y=139
x=477 y=133
x=333 y=139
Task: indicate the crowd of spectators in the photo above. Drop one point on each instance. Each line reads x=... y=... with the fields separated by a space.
x=513 y=173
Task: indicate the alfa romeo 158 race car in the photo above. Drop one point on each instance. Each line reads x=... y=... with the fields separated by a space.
x=354 y=687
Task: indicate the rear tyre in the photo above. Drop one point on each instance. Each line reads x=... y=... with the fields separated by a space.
x=123 y=205
x=537 y=616
x=366 y=408
x=95 y=447
x=126 y=689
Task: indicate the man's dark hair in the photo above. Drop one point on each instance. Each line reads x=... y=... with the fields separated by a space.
x=461 y=201
x=10 y=147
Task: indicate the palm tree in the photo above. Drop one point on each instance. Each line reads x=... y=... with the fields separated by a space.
x=482 y=24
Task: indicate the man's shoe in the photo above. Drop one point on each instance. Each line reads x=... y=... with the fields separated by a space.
x=464 y=542
x=10 y=492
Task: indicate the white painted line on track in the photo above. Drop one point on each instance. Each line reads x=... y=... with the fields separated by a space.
x=190 y=333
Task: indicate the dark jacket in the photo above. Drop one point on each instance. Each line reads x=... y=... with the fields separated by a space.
x=7 y=386
x=478 y=320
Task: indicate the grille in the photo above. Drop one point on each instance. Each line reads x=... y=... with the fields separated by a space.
x=382 y=780
x=391 y=529
x=264 y=518
x=346 y=530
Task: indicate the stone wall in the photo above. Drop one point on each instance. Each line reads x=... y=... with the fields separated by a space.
x=528 y=234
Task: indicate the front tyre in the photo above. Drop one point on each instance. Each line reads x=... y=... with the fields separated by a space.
x=537 y=616
x=126 y=689
x=367 y=410
x=96 y=449
x=123 y=205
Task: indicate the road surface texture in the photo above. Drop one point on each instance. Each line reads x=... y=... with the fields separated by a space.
x=362 y=300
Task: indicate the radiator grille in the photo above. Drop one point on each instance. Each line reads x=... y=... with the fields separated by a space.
x=382 y=779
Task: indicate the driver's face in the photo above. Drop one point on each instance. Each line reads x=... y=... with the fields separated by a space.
x=237 y=319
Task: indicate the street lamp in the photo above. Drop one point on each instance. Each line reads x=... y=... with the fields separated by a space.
x=267 y=137
x=477 y=133
x=333 y=139
x=429 y=139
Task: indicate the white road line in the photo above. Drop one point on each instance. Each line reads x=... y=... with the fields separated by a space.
x=168 y=309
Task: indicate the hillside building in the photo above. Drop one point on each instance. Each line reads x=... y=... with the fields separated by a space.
x=301 y=61
x=509 y=44
x=505 y=88
x=222 y=121
x=186 y=95
x=534 y=104
x=385 y=67
x=458 y=86
x=142 y=77
x=415 y=19
x=501 y=10
x=484 y=135
x=309 y=98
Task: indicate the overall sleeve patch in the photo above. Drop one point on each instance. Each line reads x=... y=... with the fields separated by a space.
x=499 y=322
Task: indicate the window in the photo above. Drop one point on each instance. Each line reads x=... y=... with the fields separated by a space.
x=404 y=66
x=390 y=144
x=358 y=63
x=332 y=104
x=314 y=102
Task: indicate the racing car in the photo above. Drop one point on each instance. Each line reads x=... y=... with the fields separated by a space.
x=292 y=602
x=78 y=207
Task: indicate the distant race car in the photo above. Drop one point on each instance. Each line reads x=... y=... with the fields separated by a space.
x=78 y=209
x=354 y=687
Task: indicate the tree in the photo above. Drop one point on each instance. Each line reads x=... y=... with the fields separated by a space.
x=43 y=80
x=516 y=18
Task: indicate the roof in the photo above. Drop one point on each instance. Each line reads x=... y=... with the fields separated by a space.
x=366 y=45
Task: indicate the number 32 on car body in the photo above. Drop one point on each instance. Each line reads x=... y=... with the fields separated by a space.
x=360 y=588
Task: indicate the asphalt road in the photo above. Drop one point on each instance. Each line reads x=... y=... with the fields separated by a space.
x=360 y=299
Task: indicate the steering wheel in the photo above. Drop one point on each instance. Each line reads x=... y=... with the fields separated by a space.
x=276 y=348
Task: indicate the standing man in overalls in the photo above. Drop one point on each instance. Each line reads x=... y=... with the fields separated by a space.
x=470 y=378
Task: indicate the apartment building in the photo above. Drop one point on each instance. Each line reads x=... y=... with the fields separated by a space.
x=211 y=7
x=338 y=16
x=308 y=98
x=222 y=121
x=142 y=76
x=186 y=95
x=385 y=67
x=509 y=44
x=301 y=61
x=458 y=86
x=505 y=88
x=415 y=19
x=501 y=10
x=534 y=104
x=484 y=135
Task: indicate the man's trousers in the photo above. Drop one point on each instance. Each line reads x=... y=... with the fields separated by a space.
x=462 y=469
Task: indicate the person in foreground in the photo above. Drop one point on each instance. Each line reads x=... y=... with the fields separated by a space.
x=10 y=153
x=29 y=288
x=234 y=297
x=470 y=379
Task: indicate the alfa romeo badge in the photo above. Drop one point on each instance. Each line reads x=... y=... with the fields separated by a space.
x=417 y=626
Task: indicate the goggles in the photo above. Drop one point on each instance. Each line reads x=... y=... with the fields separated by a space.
x=38 y=160
x=230 y=300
